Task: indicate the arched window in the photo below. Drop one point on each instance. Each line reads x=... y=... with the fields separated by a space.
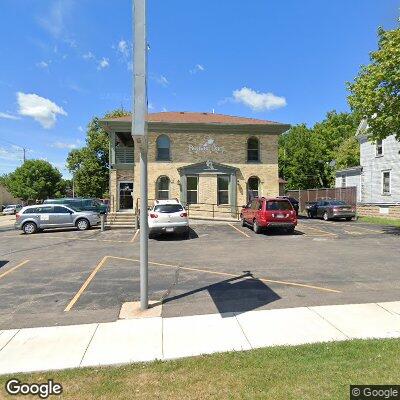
x=163 y=148
x=253 y=149
x=253 y=185
x=162 y=188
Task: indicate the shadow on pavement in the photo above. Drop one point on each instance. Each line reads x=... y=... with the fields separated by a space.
x=235 y=295
x=3 y=263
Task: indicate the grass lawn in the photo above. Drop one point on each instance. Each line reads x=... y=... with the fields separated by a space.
x=321 y=371
x=380 y=221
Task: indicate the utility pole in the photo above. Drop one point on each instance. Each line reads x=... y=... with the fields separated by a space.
x=139 y=132
x=24 y=150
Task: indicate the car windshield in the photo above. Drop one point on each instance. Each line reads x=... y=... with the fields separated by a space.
x=168 y=208
x=278 y=205
x=74 y=208
x=337 y=203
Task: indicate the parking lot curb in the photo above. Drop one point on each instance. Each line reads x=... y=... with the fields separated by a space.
x=157 y=338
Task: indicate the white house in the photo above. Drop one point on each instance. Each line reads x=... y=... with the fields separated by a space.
x=377 y=178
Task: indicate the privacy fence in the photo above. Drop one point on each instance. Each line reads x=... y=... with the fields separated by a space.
x=348 y=194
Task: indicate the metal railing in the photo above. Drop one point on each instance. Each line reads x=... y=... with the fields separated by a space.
x=124 y=155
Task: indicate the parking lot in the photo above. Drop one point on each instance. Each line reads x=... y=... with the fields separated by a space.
x=64 y=277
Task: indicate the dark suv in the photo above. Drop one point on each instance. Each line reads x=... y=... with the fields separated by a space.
x=263 y=213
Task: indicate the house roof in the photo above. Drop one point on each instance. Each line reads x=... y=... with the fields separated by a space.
x=357 y=168
x=186 y=117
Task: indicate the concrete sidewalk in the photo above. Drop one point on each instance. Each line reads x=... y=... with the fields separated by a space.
x=129 y=341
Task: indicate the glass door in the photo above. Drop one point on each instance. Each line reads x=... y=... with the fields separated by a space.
x=125 y=196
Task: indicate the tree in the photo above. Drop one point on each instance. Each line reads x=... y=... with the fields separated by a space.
x=309 y=157
x=34 y=180
x=375 y=92
x=90 y=164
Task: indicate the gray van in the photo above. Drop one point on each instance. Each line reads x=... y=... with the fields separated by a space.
x=36 y=218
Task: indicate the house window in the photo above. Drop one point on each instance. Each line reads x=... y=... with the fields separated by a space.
x=253 y=185
x=386 y=183
x=379 y=148
x=343 y=181
x=223 y=189
x=163 y=148
x=162 y=188
x=253 y=150
x=192 y=183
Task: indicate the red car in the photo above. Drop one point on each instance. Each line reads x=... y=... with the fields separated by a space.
x=262 y=213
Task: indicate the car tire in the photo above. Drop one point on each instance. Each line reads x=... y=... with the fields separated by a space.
x=256 y=227
x=325 y=216
x=290 y=230
x=29 y=228
x=82 y=224
x=349 y=218
x=243 y=221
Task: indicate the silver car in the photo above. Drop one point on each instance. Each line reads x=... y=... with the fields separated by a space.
x=36 y=218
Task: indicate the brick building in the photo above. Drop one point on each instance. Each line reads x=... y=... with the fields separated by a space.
x=210 y=161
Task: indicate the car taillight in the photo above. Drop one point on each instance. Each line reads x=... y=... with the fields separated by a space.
x=17 y=216
x=184 y=214
x=153 y=215
x=335 y=209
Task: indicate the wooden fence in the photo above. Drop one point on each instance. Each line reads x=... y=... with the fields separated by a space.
x=348 y=194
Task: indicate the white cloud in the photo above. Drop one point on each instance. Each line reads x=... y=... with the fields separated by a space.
x=162 y=80
x=63 y=145
x=43 y=64
x=123 y=48
x=88 y=56
x=7 y=154
x=103 y=63
x=80 y=129
x=197 y=68
x=8 y=116
x=39 y=108
x=54 y=20
x=258 y=101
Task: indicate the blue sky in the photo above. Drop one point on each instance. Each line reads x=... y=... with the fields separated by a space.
x=63 y=62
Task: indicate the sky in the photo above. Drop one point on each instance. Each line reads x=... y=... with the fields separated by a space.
x=66 y=61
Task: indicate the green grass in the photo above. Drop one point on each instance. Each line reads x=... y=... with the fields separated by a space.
x=309 y=372
x=380 y=221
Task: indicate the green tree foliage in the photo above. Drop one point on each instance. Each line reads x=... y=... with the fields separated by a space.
x=309 y=157
x=375 y=92
x=35 y=180
x=90 y=164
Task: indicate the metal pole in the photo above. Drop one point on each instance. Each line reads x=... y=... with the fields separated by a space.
x=139 y=131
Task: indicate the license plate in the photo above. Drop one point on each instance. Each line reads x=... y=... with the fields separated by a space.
x=280 y=216
x=169 y=229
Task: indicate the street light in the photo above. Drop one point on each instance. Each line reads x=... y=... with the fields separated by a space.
x=139 y=133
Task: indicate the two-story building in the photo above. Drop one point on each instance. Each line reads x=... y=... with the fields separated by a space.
x=377 y=178
x=210 y=161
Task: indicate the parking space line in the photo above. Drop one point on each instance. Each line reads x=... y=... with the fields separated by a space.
x=240 y=231
x=86 y=284
x=325 y=233
x=233 y=275
x=13 y=268
x=135 y=235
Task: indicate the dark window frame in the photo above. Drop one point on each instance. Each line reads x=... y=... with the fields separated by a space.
x=253 y=153
x=224 y=192
x=159 y=155
x=254 y=193
x=192 y=190
x=164 y=191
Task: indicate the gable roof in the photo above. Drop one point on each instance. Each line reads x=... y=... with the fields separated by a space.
x=185 y=117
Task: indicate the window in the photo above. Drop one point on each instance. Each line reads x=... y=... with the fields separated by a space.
x=223 y=189
x=61 y=210
x=191 y=191
x=253 y=153
x=252 y=187
x=162 y=188
x=379 y=148
x=279 y=205
x=343 y=181
x=163 y=148
x=168 y=208
x=386 y=183
x=45 y=210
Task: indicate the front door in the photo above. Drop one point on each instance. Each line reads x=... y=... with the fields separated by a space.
x=125 y=195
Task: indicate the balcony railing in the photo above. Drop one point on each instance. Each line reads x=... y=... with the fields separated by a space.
x=124 y=155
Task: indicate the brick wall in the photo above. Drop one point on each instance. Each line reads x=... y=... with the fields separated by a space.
x=372 y=210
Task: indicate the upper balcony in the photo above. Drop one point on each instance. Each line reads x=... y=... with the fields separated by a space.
x=122 y=149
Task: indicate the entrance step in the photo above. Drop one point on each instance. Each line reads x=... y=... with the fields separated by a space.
x=121 y=220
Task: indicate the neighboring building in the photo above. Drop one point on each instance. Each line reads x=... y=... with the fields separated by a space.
x=378 y=176
x=204 y=159
x=7 y=198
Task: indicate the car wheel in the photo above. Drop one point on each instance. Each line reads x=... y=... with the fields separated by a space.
x=290 y=230
x=349 y=218
x=256 y=227
x=243 y=221
x=82 y=224
x=29 y=228
x=325 y=216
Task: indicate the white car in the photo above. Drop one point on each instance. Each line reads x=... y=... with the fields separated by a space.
x=168 y=216
x=12 y=209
